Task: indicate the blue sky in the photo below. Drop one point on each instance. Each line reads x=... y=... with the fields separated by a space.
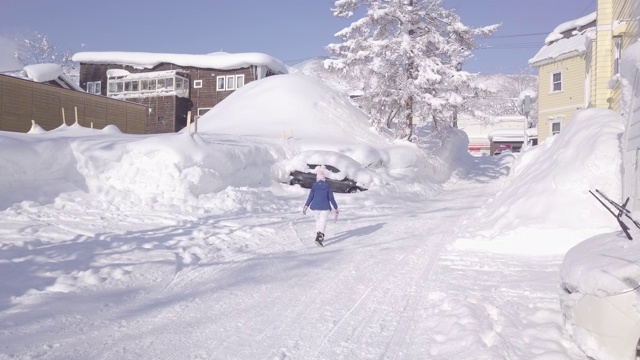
x=290 y=30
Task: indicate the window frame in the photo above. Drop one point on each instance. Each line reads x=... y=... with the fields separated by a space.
x=203 y=108
x=221 y=86
x=197 y=84
x=617 y=54
x=237 y=82
x=232 y=79
x=553 y=82
x=556 y=120
x=96 y=86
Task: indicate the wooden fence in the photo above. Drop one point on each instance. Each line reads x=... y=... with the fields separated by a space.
x=23 y=100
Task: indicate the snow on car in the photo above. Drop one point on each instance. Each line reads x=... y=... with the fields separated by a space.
x=343 y=173
x=600 y=303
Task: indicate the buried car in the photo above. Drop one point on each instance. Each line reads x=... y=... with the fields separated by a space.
x=343 y=174
x=306 y=179
x=600 y=297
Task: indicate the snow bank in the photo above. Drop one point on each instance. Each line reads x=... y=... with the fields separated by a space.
x=548 y=190
x=129 y=170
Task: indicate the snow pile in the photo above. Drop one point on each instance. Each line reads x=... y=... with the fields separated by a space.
x=547 y=191
x=239 y=148
x=295 y=106
x=43 y=72
x=131 y=171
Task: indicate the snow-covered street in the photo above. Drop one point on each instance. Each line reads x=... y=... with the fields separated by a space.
x=189 y=285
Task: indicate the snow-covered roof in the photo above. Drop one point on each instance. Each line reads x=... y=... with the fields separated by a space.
x=514 y=134
x=576 y=24
x=564 y=48
x=144 y=60
x=47 y=72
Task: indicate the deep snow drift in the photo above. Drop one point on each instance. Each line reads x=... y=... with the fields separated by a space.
x=193 y=245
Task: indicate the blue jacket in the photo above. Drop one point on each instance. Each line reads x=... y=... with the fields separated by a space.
x=321 y=197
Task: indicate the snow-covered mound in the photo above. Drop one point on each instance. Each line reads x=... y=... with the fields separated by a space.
x=548 y=188
x=296 y=105
x=133 y=170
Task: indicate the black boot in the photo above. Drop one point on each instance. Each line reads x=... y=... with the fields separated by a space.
x=319 y=238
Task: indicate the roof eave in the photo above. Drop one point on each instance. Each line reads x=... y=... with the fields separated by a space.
x=547 y=61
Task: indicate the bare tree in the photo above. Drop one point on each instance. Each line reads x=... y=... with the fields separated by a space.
x=39 y=49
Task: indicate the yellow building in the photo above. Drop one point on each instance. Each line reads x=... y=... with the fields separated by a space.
x=564 y=74
x=617 y=29
x=579 y=65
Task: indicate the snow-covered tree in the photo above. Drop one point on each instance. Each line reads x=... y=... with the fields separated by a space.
x=39 y=49
x=409 y=54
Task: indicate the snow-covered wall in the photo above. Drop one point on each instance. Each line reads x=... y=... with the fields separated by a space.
x=630 y=107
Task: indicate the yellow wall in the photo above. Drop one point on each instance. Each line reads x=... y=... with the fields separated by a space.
x=627 y=29
x=603 y=54
x=563 y=103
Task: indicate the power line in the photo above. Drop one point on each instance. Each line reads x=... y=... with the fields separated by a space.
x=515 y=35
x=588 y=6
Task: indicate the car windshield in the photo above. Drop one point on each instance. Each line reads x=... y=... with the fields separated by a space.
x=328 y=167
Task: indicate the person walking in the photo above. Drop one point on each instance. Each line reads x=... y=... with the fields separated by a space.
x=320 y=201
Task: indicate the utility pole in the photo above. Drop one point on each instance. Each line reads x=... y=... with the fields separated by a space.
x=526 y=109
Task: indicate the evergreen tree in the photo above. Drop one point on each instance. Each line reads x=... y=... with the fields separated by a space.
x=409 y=54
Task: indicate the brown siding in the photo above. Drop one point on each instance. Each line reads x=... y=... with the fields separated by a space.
x=162 y=116
x=205 y=97
x=22 y=101
x=1 y=120
x=17 y=103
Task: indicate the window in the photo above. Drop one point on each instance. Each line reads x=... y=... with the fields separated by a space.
x=617 y=48
x=220 y=83
x=197 y=83
x=94 y=87
x=239 y=81
x=142 y=85
x=555 y=124
x=231 y=82
x=202 y=111
x=556 y=81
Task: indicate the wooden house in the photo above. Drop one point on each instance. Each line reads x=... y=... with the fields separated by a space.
x=42 y=93
x=172 y=85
